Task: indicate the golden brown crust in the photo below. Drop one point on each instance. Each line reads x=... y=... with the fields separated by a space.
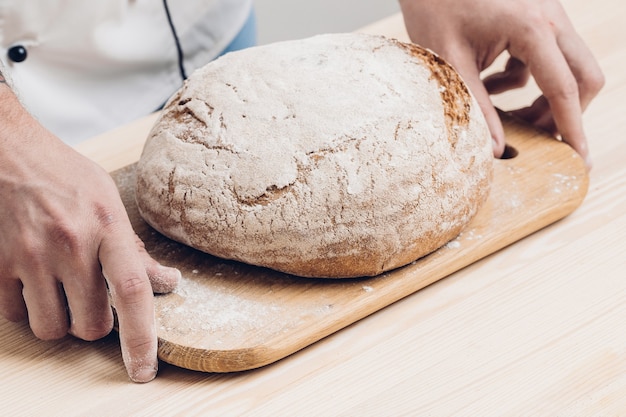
x=455 y=96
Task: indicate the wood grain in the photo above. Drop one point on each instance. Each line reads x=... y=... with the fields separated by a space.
x=227 y=316
x=535 y=329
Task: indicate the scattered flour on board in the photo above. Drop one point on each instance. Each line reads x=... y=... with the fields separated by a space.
x=563 y=182
x=470 y=234
x=208 y=309
x=214 y=316
x=453 y=244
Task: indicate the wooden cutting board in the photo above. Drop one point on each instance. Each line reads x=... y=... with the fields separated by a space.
x=226 y=316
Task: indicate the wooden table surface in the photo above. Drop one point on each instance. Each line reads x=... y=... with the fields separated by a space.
x=536 y=329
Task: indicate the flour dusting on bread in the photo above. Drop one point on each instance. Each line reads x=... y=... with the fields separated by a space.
x=340 y=155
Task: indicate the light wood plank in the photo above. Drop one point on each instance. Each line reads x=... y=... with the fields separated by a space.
x=535 y=329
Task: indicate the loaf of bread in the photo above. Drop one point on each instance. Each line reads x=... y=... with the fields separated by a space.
x=340 y=155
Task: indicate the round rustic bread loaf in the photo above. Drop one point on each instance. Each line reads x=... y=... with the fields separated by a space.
x=341 y=155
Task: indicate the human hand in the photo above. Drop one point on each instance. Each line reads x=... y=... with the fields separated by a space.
x=64 y=238
x=541 y=42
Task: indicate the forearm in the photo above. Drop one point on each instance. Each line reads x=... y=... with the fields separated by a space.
x=22 y=138
x=5 y=83
x=10 y=109
x=10 y=105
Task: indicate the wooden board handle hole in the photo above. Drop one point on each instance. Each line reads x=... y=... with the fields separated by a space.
x=509 y=152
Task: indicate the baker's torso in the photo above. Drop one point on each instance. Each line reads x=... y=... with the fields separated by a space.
x=84 y=67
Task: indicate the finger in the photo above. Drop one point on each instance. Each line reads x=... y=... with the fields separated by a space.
x=162 y=278
x=91 y=317
x=132 y=298
x=466 y=66
x=581 y=62
x=555 y=79
x=12 y=306
x=585 y=69
x=515 y=75
x=47 y=312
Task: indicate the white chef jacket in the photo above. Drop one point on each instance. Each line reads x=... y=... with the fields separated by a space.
x=92 y=65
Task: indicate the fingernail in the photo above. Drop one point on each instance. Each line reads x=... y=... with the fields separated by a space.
x=145 y=374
